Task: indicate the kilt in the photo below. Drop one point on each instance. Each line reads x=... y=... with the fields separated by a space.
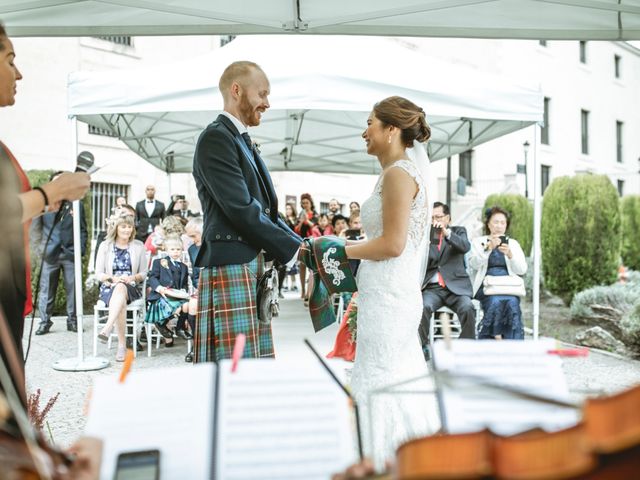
x=226 y=307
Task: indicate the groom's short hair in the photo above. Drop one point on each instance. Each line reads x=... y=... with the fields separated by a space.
x=236 y=72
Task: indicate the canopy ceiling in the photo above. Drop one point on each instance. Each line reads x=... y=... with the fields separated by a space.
x=532 y=19
x=322 y=90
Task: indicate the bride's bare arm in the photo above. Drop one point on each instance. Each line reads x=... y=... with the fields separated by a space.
x=398 y=191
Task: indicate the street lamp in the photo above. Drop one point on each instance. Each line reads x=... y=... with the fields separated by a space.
x=525 y=146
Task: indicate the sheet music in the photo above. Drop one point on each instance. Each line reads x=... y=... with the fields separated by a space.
x=524 y=365
x=282 y=420
x=170 y=409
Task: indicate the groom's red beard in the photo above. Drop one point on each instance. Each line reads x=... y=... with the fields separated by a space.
x=248 y=113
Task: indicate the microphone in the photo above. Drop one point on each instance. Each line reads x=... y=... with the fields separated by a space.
x=85 y=162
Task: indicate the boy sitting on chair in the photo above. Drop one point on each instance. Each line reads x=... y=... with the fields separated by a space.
x=169 y=281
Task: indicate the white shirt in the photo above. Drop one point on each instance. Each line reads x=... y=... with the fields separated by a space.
x=149 y=206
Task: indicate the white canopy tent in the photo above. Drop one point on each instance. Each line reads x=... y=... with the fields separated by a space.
x=532 y=19
x=322 y=89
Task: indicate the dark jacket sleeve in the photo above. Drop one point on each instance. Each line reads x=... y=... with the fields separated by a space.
x=154 y=275
x=218 y=168
x=184 y=277
x=458 y=240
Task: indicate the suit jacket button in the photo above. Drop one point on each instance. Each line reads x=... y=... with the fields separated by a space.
x=267 y=211
x=228 y=237
x=217 y=237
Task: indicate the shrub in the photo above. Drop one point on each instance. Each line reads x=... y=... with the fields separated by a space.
x=37 y=178
x=521 y=212
x=580 y=234
x=630 y=211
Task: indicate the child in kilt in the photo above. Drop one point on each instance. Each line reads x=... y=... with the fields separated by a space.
x=169 y=282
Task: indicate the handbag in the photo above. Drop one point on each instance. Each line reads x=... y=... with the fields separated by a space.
x=504 y=285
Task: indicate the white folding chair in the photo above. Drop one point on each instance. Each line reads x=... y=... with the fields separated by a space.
x=437 y=321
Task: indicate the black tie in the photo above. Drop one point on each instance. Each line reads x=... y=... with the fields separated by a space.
x=247 y=140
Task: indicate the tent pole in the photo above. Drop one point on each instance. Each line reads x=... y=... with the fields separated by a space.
x=537 y=218
x=78 y=363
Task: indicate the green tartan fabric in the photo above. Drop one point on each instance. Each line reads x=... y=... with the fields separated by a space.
x=226 y=307
x=327 y=259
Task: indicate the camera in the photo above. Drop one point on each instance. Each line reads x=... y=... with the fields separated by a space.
x=435 y=234
x=353 y=234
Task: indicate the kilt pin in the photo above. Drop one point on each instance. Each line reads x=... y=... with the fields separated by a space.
x=242 y=231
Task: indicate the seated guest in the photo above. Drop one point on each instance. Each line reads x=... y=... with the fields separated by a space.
x=168 y=274
x=495 y=254
x=121 y=266
x=170 y=225
x=353 y=206
x=446 y=282
x=340 y=225
x=323 y=227
x=334 y=208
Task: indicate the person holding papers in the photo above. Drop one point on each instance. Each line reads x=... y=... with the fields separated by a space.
x=242 y=228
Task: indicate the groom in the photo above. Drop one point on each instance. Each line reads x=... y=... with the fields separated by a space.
x=242 y=228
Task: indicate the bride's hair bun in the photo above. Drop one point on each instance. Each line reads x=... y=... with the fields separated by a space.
x=405 y=115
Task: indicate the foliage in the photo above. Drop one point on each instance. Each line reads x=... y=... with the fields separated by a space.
x=623 y=297
x=37 y=178
x=521 y=212
x=38 y=415
x=630 y=211
x=352 y=317
x=580 y=234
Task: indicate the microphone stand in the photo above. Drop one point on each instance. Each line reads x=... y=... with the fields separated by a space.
x=78 y=363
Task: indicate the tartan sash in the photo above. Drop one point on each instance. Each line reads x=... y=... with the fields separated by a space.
x=327 y=259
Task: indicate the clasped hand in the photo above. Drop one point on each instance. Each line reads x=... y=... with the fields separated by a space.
x=495 y=242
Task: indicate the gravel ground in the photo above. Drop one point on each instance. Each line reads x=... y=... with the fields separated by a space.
x=599 y=372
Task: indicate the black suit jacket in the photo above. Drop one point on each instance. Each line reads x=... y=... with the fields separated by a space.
x=145 y=220
x=238 y=201
x=171 y=276
x=60 y=246
x=449 y=261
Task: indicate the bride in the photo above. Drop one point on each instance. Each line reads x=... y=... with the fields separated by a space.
x=395 y=218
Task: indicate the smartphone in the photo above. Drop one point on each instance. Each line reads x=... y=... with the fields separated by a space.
x=143 y=465
x=435 y=235
x=352 y=234
x=504 y=240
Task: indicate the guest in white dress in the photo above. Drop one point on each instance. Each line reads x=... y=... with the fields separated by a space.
x=390 y=302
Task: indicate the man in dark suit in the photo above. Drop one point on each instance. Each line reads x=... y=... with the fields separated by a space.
x=58 y=256
x=242 y=228
x=149 y=213
x=446 y=282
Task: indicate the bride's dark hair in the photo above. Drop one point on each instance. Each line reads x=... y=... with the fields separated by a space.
x=405 y=115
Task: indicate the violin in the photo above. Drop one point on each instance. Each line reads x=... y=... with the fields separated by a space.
x=604 y=445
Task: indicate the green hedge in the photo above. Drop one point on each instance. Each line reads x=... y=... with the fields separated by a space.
x=521 y=212
x=580 y=234
x=630 y=210
x=37 y=178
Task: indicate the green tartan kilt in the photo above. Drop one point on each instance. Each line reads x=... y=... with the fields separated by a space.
x=226 y=307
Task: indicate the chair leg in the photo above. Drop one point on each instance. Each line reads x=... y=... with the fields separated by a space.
x=134 y=339
x=95 y=332
x=147 y=332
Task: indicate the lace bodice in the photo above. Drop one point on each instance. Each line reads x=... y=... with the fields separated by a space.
x=371 y=213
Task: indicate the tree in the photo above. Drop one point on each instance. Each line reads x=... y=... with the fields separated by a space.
x=630 y=210
x=580 y=234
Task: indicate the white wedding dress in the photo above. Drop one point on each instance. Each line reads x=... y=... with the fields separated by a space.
x=388 y=347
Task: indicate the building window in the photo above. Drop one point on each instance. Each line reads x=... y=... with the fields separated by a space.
x=583 y=52
x=619 y=141
x=465 y=167
x=616 y=65
x=118 y=40
x=543 y=43
x=621 y=187
x=101 y=131
x=224 y=39
x=103 y=199
x=545 y=177
x=544 y=131
x=584 y=121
